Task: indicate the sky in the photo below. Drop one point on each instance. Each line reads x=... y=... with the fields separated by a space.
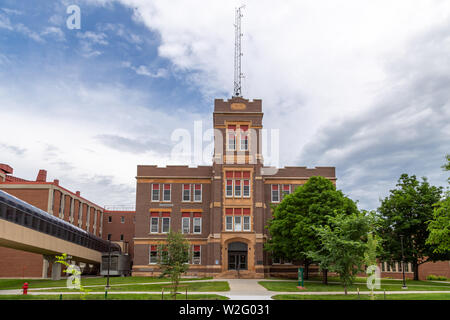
x=360 y=85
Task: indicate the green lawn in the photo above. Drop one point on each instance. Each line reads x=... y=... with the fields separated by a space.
x=409 y=296
x=113 y=297
x=388 y=285
x=6 y=284
x=206 y=286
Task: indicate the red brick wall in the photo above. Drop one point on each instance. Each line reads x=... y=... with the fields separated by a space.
x=17 y=263
x=35 y=197
x=116 y=228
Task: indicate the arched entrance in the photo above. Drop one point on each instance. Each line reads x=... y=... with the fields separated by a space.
x=237 y=256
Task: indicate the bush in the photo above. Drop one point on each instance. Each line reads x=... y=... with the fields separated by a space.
x=434 y=277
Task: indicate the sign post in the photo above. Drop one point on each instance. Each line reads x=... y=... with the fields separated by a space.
x=300 y=279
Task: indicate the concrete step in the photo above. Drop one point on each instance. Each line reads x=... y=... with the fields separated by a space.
x=241 y=274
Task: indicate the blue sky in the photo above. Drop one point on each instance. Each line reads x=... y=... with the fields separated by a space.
x=362 y=86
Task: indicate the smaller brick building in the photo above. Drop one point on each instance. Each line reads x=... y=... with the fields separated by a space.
x=56 y=200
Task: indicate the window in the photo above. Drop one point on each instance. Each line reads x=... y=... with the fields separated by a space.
x=237 y=188
x=155 y=192
x=246 y=188
x=286 y=189
x=165 y=224
x=109 y=219
x=154 y=224
x=246 y=223
x=197 y=192
x=229 y=223
x=275 y=193
x=109 y=236
x=231 y=134
x=122 y=219
x=237 y=223
x=186 y=192
x=121 y=237
x=229 y=191
x=197 y=225
x=185 y=224
x=238 y=219
x=196 y=255
x=153 y=254
x=244 y=137
x=166 y=194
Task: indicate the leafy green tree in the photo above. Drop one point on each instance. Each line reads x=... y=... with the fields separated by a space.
x=371 y=254
x=291 y=229
x=174 y=258
x=406 y=212
x=344 y=244
x=439 y=226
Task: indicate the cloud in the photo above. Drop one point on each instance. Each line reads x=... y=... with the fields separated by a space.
x=14 y=149
x=135 y=146
x=407 y=130
x=54 y=32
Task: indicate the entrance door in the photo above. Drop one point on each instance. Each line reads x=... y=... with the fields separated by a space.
x=237 y=256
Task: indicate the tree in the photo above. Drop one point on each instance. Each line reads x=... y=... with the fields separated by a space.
x=370 y=256
x=174 y=258
x=344 y=244
x=405 y=212
x=292 y=232
x=439 y=226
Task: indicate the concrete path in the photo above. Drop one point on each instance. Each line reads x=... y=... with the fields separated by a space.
x=240 y=289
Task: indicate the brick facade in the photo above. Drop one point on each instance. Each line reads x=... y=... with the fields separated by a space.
x=236 y=194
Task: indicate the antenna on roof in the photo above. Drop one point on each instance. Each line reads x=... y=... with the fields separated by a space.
x=237 y=54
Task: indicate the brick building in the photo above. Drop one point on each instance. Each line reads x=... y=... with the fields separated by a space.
x=118 y=226
x=222 y=209
x=56 y=200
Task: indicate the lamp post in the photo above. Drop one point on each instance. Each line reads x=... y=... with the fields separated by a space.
x=109 y=263
x=403 y=264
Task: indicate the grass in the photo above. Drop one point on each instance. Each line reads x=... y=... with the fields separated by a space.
x=408 y=296
x=113 y=297
x=388 y=285
x=6 y=284
x=207 y=286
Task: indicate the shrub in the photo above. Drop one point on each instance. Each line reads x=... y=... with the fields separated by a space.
x=435 y=277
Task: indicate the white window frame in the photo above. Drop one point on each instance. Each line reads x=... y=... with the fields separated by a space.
x=240 y=188
x=194 y=225
x=159 y=193
x=188 y=219
x=122 y=219
x=162 y=225
x=271 y=192
x=182 y=192
x=164 y=192
x=150 y=256
x=157 y=224
x=249 y=223
x=194 y=260
x=226 y=188
x=243 y=188
x=201 y=192
x=228 y=140
x=238 y=217
x=226 y=223
x=241 y=136
x=283 y=192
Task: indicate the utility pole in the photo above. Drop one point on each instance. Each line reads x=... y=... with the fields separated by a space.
x=403 y=264
x=109 y=264
x=237 y=92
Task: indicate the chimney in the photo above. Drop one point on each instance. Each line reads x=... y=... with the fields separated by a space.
x=42 y=176
x=77 y=193
x=6 y=169
x=56 y=181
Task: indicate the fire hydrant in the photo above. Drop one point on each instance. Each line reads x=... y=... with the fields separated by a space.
x=25 y=288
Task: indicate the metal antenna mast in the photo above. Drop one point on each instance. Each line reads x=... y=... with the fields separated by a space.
x=237 y=54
